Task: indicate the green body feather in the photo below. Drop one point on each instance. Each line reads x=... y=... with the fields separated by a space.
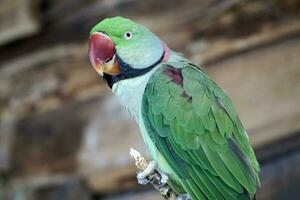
x=196 y=131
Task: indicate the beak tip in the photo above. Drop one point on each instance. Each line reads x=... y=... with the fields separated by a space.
x=100 y=73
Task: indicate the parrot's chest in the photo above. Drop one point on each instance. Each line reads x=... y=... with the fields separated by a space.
x=130 y=95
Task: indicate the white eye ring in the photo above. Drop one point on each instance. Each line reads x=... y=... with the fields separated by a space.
x=127 y=35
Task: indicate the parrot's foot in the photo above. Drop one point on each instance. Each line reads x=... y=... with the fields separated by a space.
x=164 y=178
x=149 y=173
x=143 y=176
x=151 y=170
x=184 y=197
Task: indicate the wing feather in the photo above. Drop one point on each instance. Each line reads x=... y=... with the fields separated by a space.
x=195 y=127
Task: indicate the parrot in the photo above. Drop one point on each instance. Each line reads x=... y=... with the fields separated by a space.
x=187 y=122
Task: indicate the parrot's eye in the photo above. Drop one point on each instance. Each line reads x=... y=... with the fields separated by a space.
x=127 y=35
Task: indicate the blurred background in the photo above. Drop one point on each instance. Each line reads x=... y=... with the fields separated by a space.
x=58 y=133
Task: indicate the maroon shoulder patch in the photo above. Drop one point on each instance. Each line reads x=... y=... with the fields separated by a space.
x=174 y=74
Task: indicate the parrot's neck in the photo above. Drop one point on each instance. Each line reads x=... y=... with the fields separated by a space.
x=130 y=91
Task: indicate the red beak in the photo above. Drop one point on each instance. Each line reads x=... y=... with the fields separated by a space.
x=102 y=54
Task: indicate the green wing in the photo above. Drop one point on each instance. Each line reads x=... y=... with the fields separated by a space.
x=196 y=129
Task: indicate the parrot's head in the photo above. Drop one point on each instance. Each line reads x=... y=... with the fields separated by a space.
x=121 y=49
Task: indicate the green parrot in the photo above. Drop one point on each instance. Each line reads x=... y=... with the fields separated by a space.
x=187 y=121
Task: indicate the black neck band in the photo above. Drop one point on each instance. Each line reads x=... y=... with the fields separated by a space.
x=128 y=71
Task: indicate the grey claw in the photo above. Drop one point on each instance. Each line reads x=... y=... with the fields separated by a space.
x=183 y=197
x=149 y=170
x=144 y=181
x=142 y=176
x=164 y=178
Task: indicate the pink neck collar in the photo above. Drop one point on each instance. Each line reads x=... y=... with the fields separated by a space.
x=167 y=53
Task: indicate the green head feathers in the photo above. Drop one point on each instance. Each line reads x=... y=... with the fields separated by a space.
x=135 y=45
